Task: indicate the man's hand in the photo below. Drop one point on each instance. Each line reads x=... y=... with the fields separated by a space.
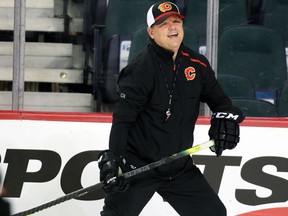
x=224 y=131
x=111 y=165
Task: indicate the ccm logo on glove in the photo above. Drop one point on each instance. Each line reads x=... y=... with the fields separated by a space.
x=225 y=115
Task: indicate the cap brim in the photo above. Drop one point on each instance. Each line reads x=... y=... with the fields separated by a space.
x=163 y=18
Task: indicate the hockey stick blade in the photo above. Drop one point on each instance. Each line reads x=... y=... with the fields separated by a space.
x=99 y=186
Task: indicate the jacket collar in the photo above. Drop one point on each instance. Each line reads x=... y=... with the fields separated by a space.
x=163 y=53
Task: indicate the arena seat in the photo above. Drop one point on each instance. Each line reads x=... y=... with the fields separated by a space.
x=252 y=107
x=254 y=52
x=236 y=86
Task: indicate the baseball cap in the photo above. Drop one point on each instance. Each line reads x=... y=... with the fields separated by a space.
x=159 y=12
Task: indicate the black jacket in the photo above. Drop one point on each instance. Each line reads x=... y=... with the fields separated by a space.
x=139 y=130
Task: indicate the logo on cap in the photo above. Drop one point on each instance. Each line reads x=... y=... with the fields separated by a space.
x=164 y=7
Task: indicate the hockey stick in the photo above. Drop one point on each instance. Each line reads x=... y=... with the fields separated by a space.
x=99 y=186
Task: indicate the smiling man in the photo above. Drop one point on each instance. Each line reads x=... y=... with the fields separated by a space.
x=165 y=26
x=159 y=97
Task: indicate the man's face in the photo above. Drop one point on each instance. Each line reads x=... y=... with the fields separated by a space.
x=169 y=34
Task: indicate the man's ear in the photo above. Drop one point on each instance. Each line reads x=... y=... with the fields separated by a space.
x=150 y=32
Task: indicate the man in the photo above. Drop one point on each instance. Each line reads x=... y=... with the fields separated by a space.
x=159 y=96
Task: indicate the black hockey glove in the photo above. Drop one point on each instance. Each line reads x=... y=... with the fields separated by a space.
x=111 y=166
x=224 y=131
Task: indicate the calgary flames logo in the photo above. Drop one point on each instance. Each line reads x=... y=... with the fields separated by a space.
x=165 y=7
x=190 y=73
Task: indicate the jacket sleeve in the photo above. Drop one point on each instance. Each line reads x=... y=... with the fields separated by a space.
x=133 y=93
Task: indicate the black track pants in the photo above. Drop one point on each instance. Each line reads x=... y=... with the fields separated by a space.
x=189 y=194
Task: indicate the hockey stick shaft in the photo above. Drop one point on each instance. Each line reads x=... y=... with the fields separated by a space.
x=169 y=159
x=99 y=186
x=72 y=195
